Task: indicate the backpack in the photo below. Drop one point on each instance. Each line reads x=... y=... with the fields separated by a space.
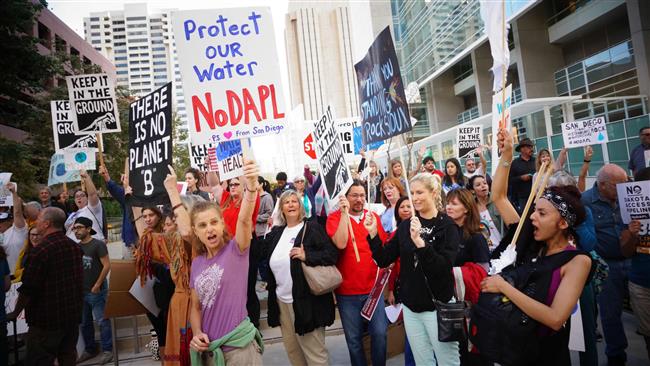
x=502 y=332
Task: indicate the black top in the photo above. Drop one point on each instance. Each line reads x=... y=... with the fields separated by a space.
x=310 y=311
x=473 y=249
x=434 y=261
x=202 y=194
x=519 y=188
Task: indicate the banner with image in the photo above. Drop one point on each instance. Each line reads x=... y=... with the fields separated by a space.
x=231 y=73
x=93 y=105
x=78 y=159
x=58 y=172
x=336 y=174
x=384 y=110
x=586 y=132
x=150 y=146
x=63 y=128
x=468 y=139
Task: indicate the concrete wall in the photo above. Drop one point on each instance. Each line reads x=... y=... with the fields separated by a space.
x=639 y=18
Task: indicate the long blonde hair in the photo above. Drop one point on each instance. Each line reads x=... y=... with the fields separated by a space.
x=433 y=184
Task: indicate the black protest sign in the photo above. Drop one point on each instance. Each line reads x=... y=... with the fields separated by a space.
x=384 y=110
x=150 y=146
x=468 y=139
x=94 y=109
x=331 y=157
x=199 y=157
x=62 y=126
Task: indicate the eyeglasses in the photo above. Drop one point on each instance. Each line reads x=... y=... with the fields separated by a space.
x=78 y=227
x=34 y=234
x=355 y=196
x=234 y=184
x=645 y=134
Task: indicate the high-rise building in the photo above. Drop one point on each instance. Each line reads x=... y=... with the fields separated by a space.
x=141 y=45
x=569 y=60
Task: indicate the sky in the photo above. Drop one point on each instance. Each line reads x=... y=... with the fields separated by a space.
x=72 y=13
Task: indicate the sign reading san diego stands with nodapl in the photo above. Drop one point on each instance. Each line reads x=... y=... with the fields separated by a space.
x=62 y=125
x=331 y=158
x=92 y=99
x=231 y=73
x=150 y=146
x=384 y=111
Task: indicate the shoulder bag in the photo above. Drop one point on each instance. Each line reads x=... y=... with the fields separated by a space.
x=321 y=279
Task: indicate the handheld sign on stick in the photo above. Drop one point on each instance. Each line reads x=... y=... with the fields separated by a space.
x=100 y=146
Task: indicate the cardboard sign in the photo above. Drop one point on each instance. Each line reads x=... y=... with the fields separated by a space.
x=586 y=132
x=576 y=333
x=11 y=297
x=646 y=155
x=346 y=133
x=331 y=160
x=120 y=302
x=358 y=142
x=468 y=139
x=144 y=294
x=77 y=159
x=58 y=172
x=634 y=201
x=63 y=128
x=231 y=159
x=501 y=119
x=150 y=146
x=94 y=109
x=199 y=157
x=376 y=294
x=384 y=110
x=231 y=73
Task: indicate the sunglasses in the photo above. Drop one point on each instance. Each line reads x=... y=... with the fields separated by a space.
x=234 y=184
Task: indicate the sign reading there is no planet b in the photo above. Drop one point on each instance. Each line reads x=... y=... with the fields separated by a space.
x=93 y=105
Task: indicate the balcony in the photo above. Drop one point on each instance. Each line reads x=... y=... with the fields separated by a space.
x=467 y=115
x=580 y=17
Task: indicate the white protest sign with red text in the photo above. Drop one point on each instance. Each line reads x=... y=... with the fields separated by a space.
x=231 y=74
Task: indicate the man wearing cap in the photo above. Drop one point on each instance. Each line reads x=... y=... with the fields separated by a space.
x=89 y=206
x=96 y=266
x=521 y=174
x=51 y=294
x=13 y=229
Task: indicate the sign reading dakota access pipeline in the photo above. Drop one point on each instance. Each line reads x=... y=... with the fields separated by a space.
x=231 y=74
x=384 y=111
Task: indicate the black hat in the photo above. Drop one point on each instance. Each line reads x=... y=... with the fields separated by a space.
x=87 y=223
x=524 y=142
x=6 y=216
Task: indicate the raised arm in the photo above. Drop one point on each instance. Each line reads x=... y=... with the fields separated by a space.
x=481 y=156
x=307 y=173
x=341 y=236
x=182 y=217
x=500 y=180
x=244 y=232
x=561 y=160
x=584 y=170
x=19 y=218
x=91 y=190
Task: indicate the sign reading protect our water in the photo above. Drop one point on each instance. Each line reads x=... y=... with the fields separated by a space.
x=384 y=110
x=58 y=172
x=634 y=201
x=231 y=73
x=93 y=105
x=77 y=159
x=150 y=146
x=331 y=159
x=586 y=132
x=63 y=128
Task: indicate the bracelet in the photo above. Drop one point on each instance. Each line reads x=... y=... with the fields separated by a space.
x=587 y=161
x=504 y=163
x=176 y=206
x=252 y=191
x=139 y=217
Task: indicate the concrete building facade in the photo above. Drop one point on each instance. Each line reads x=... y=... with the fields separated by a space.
x=569 y=60
x=141 y=45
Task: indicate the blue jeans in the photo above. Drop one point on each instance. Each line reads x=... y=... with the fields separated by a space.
x=422 y=332
x=610 y=302
x=353 y=328
x=93 y=307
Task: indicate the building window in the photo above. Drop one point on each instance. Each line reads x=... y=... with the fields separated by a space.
x=139 y=40
x=159 y=63
x=94 y=19
x=122 y=72
x=129 y=19
x=158 y=56
x=95 y=34
x=96 y=41
x=94 y=26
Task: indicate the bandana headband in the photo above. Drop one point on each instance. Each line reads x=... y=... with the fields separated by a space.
x=561 y=205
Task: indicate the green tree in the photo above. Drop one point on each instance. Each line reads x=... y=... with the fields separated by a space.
x=181 y=150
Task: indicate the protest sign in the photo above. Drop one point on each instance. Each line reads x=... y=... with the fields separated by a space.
x=634 y=201
x=199 y=157
x=331 y=160
x=646 y=156
x=468 y=139
x=6 y=198
x=376 y=293
x=501 y=119
x=150 y=146
x=231 y=73
x=93 y=105
x=384 y=110
x=345 y=128
x=11 y=298
x=58 y=172
x=63 y=128
x=181 y=187
x=586 y=132
x=77 y=159
x=358 y=142
x=213 y=163
x=231 y=159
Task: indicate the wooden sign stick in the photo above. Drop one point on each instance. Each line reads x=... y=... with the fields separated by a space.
x=524 y=214
x=100 y=148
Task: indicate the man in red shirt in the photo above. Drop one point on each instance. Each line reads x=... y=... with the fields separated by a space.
x=358 y=277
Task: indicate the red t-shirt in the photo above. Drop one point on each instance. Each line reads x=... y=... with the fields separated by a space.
x=231 y=213
x=438 y=173
x=358 y=278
